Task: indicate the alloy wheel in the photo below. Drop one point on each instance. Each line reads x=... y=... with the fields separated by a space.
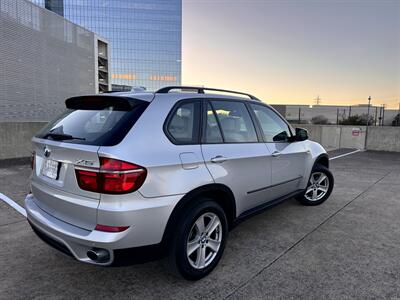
x=204 y=240
x=319 y=185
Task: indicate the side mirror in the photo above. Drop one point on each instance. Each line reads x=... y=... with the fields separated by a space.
x=301 y=134
x=281 y=137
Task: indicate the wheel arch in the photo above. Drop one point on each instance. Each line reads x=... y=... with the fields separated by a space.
x=322 y=159
x=218 y=192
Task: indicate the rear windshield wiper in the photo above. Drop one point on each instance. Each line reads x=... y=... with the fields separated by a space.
x=62 y=136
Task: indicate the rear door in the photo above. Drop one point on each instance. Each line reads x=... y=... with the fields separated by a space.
x=233 y=153
x=288 y=158
x=70 y=142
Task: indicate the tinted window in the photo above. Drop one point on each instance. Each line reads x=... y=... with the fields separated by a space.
x=213 y=133
x=184 y=123
x=235 y=121
x=105 y=126
x=273 y=127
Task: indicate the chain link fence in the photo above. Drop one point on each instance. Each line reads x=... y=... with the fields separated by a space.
x=340 y=115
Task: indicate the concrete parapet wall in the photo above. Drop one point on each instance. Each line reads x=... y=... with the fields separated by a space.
x=15 y=138
x=349 y=138
x=384 y=139
x=330 y=137
x=336 y=136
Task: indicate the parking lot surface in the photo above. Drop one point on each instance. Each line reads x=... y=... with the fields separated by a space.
x=348 y=247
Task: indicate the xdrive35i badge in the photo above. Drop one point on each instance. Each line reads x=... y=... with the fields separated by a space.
x=84 y=162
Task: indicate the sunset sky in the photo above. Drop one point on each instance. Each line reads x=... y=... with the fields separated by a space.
x=292 y=51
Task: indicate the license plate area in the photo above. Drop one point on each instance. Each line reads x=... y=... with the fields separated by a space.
x=50 y=169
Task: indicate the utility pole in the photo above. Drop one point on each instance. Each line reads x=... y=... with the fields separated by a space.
x=376 y=114
x=317 y=100
x=337 y=117
x=366 y=128
x=383 y=114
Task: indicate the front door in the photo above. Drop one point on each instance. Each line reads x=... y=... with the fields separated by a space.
x=288 y=158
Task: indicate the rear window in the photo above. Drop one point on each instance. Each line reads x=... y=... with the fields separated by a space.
x=97 y=123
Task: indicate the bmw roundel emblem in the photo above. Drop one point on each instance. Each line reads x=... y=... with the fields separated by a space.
x=47 y=152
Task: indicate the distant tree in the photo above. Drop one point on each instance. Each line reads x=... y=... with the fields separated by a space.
x=320 y=119
x=358 y=120
x=396 y=120
x=296 y=121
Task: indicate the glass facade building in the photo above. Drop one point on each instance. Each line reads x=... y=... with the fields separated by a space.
x=144 y=36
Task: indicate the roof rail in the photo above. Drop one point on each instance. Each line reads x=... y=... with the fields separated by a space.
x=200 y=90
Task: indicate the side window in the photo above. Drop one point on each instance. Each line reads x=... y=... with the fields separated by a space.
x=273 y=127
x=235 y=121
x=213 y=133
x=183 y=125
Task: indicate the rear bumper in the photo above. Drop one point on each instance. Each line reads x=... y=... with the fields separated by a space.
x=147 y=227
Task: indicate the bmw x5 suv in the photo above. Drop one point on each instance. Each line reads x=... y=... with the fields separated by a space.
x=174 y=169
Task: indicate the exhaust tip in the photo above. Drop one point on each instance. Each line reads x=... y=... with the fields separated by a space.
x=98 y=255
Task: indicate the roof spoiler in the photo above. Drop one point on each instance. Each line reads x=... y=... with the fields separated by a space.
x=96 y=102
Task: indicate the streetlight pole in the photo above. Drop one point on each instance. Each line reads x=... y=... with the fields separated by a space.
x=366 y=128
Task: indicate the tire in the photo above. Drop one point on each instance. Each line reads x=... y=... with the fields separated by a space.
x=178 y=261
x=307 y=197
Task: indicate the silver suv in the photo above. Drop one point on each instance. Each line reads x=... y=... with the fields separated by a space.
x=172 y=170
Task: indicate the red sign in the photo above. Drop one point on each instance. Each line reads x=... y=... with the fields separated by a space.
x=356 y=131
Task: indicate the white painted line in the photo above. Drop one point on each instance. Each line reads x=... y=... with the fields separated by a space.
x=332 y=158
x=13 y=204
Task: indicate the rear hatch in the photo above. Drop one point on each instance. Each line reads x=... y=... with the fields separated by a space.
x=72 y=141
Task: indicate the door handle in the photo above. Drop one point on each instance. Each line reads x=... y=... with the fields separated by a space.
x=218 y=159
x=276 y=154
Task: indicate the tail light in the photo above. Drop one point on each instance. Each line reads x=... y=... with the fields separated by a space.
x=113 y=177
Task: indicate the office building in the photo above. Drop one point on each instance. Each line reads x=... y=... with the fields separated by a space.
x=44 y=60
x=145 y=37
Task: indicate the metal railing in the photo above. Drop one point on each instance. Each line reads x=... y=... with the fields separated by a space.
x=341 y=115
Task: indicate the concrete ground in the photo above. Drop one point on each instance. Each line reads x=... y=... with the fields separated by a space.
x=348 y=247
